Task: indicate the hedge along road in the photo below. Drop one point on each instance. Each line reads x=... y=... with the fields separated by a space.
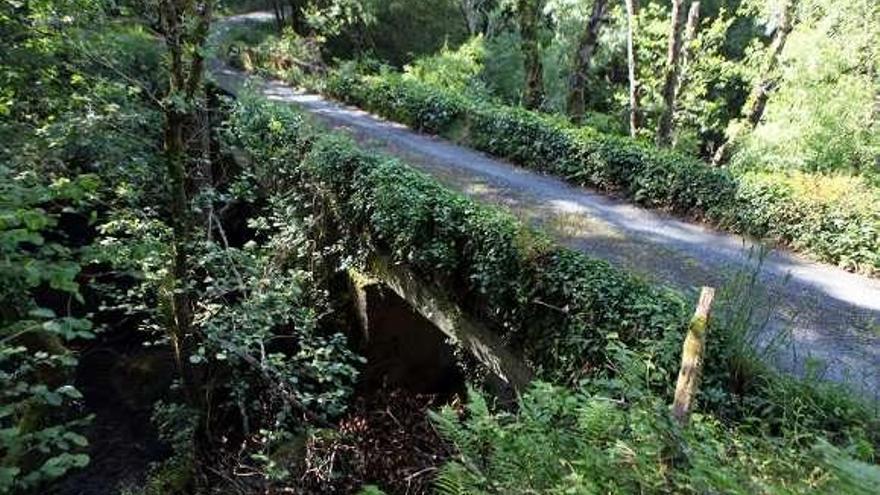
x=831 y=316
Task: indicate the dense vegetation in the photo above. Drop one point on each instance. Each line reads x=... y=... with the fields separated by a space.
x=97 y=262
x=840 y=225
x=175 y=263
x=617 y=340
x=769 y=190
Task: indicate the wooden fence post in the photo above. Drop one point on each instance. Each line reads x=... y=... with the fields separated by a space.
x=692 y=357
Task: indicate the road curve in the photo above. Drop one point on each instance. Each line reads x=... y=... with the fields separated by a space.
x=831 y=317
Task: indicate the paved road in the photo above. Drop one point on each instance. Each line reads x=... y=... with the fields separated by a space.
x=830 y=317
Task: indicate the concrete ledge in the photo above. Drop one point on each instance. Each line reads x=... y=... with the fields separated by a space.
x=449 y=318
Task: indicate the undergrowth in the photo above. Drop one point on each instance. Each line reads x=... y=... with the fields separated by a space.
x=560 y=441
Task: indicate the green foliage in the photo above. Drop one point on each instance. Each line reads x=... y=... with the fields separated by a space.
x=418 y=105
x=832 y=131
x=405 y=29
x=371 y=490
x=91 y=119
x=576 y=320
x=273 y=360
x=823 y=116
x=559 y=441
x=289 y=56
x=78 y=90
x=716 y=79
x=39 y=439
x=561 y=308
x=35 y=33
x=832 y=227
x=834 y=217
x=503 y=71
x=95 y=108
x=259 y=320
x=457 y=70
x=568 y=20
x=235 y=43
x=492 y=264
x=849 y=476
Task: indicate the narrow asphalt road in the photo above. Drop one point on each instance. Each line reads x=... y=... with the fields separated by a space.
x=831 y=317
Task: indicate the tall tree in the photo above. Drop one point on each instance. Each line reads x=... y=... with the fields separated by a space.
x=297 y=18
x=687 y=53
x=672 y=72
x=529 y=12
x=767 y=82
x=279 y=10
x=476 y=15
x=875 y=119
x=582 y=60
x=290 y=13
x=632 y=14
x=184 y=26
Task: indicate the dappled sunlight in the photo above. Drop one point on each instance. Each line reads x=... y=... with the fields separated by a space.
x=459 y=246
x=827 y=308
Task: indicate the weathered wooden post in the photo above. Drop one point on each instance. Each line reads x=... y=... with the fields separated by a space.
x=692 y=357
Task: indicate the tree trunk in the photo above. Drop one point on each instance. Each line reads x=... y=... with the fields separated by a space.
x=875 y=121
x=692 y=352
x=184 y=23
x=471 y=16
x=278 y=11
x=297 y=18
x=687 y=54
x=760 y=94
x=673 y=71
x=474 y=12
x=529 y=12
x=180 y=298
x=583 y=58
x=632 y=14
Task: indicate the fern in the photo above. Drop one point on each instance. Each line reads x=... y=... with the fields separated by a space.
x=560 y=442
x=455 y=479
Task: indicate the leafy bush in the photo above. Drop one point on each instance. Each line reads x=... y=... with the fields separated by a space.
x=836 y=218
x=458 y=70
x=254 y=300
x=73 y=119
x=821 y=117
x=503 y=71
x=290 y=56
x=39 y=429
x=273 y=358
x=404 y=99
x=236 y=39
x=833 y=229
x=559 y=441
